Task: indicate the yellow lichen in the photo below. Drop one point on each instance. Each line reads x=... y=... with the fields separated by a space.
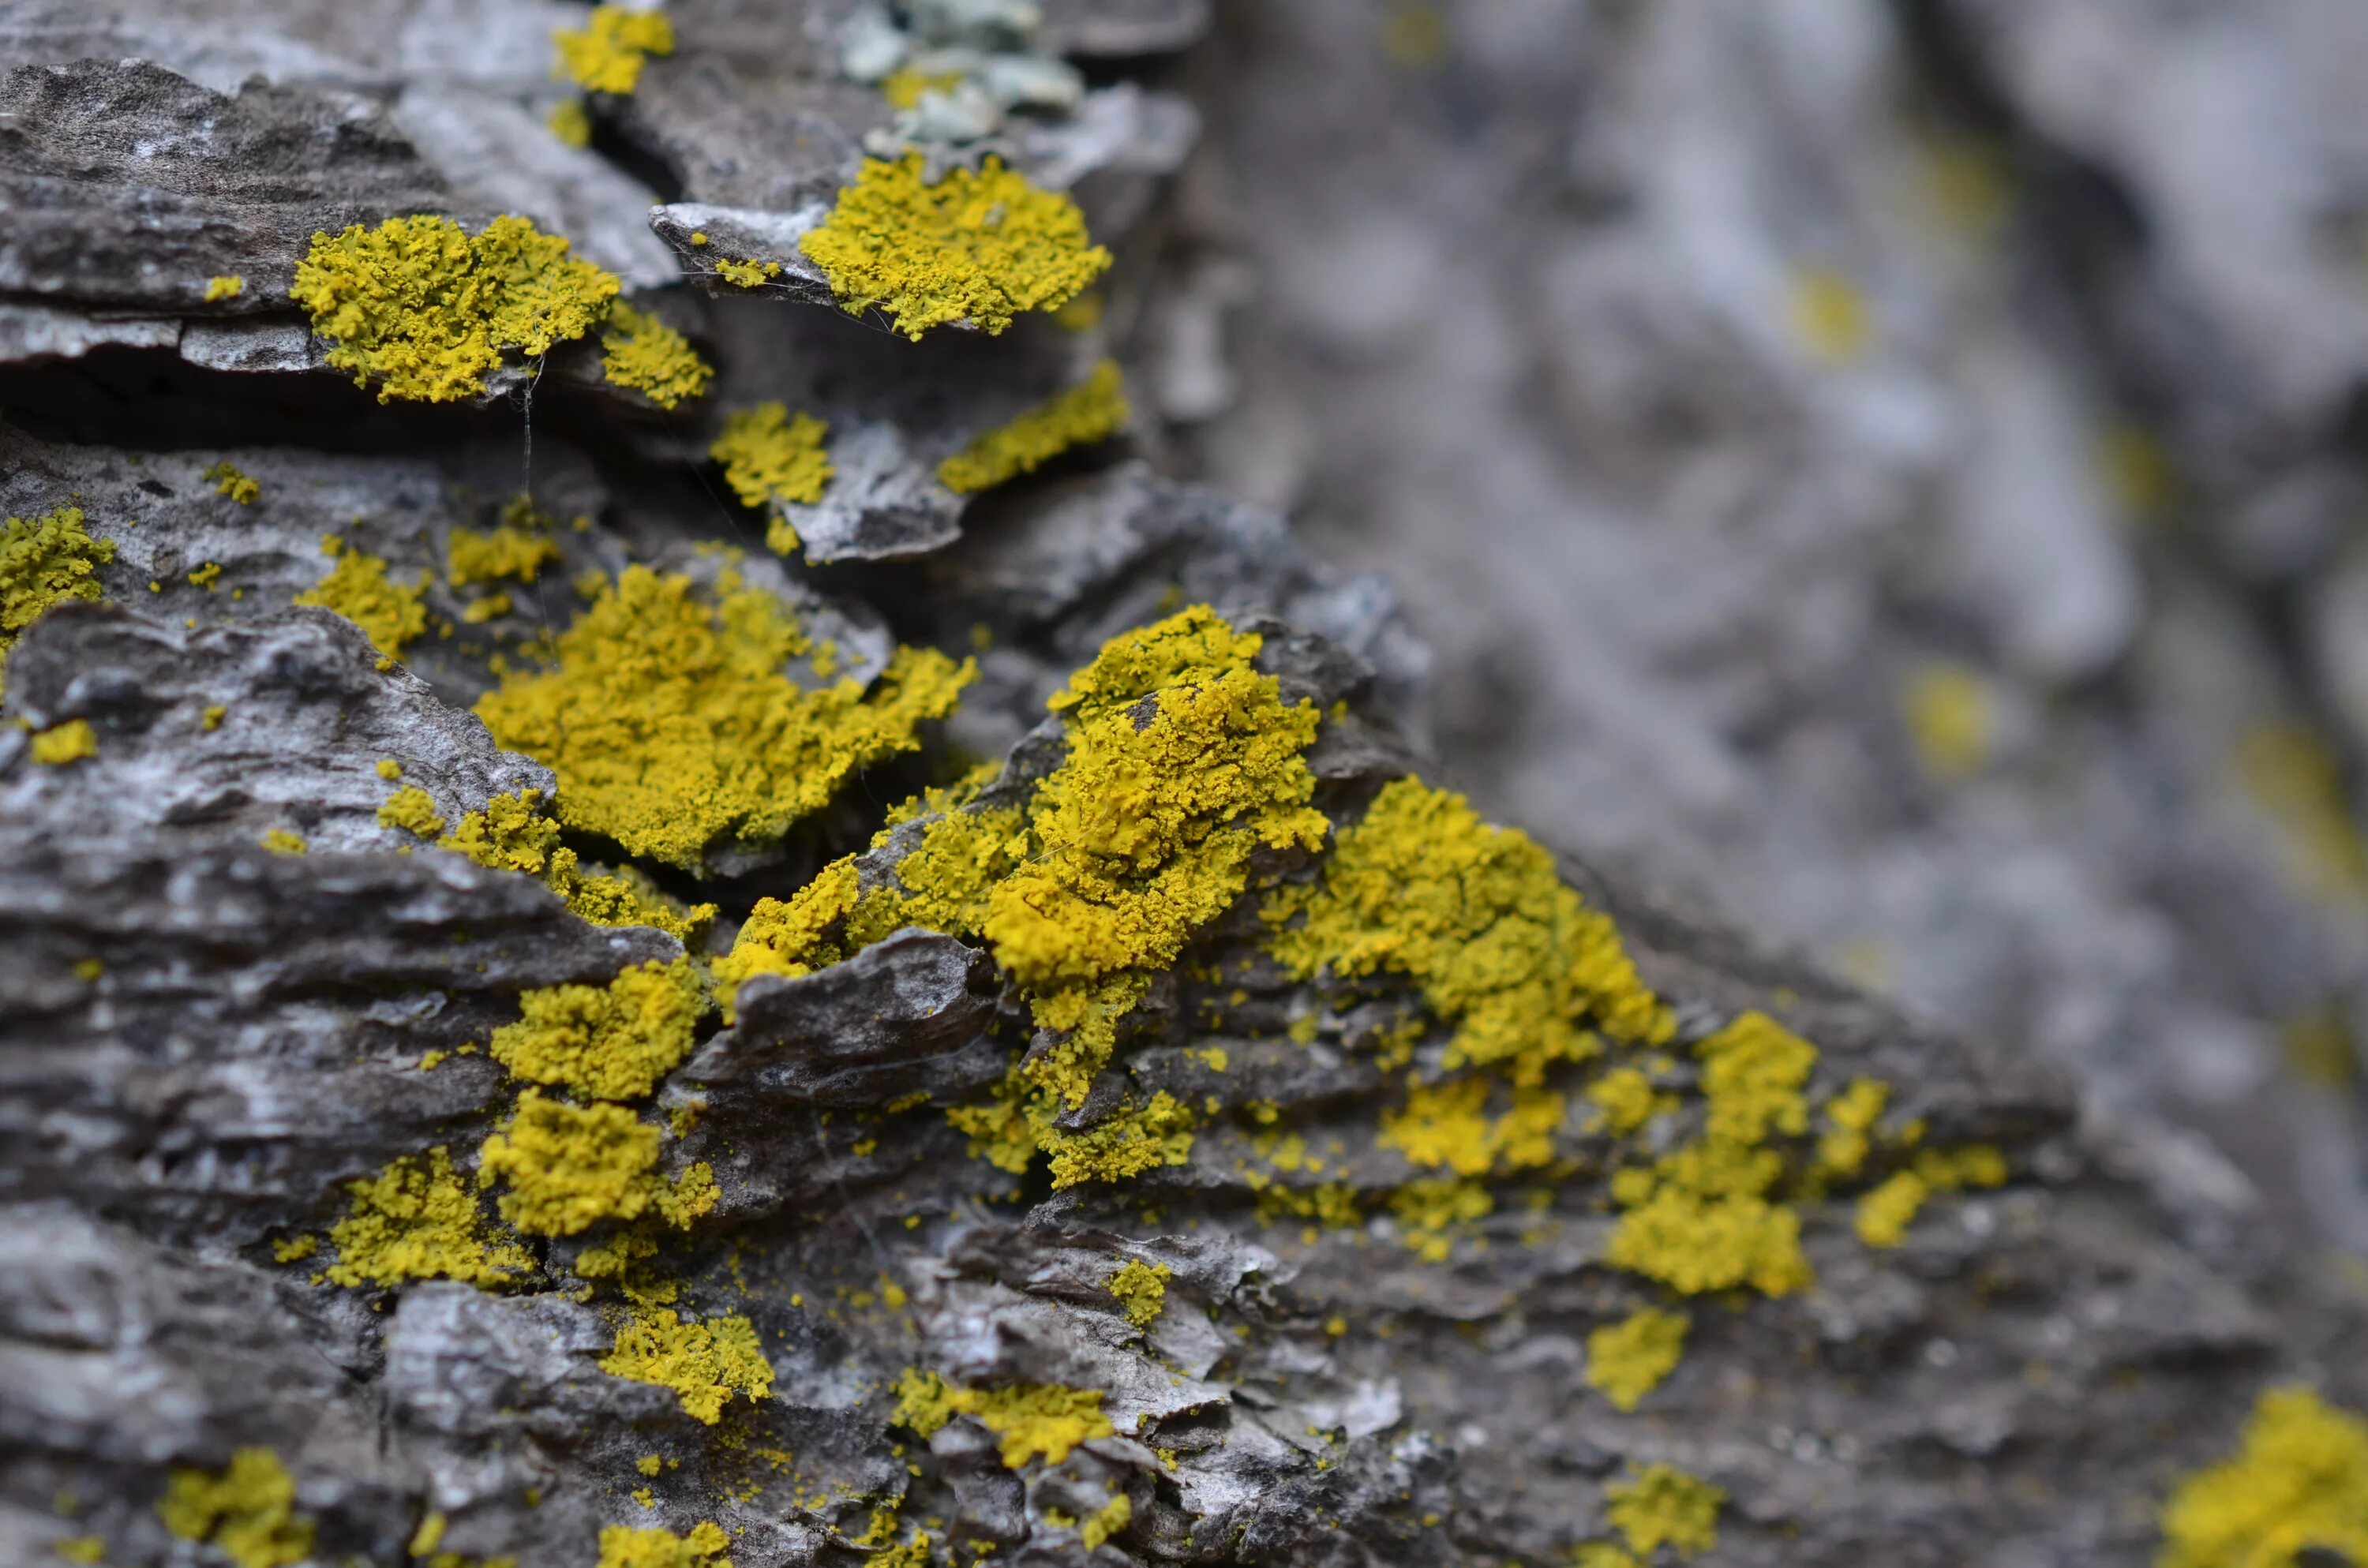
x=1627 y=1100
x=245 y=489
x=671 y=723
x=416 y=1220
x=1830 y=314
x=358 y=588
x=1626 y=1360
x=295 y=1249
x=1949 y=714
x=211 y=717
x=571 y=122
x=1665 y=1505
x=1106 y=1521
x=1478 y=919
x=1426 y=1211
x=474 y=555
x=247 y=1513
x=1138 y=1137
x=639 y=351
x=1446 y=1125
x=746 y=274
x=1850 y=1116
x=225 y=286
x=570 y=1167
x=606 y=54
x=206 y=575
x=2298 y=1486
x=45 y=560
x=512 y=834
x=1752 y=1075
x=424 y=309
x=612 y=1042
x=770 y=458
x=1142 y=1291
x=981 y=247
x=1884 y=1214
x=61 y=744
x=1093 y=410
x=701 y=1547
x=279 y=841
x=704 y=1362
x=1034 y=1420
x=903 y=89
x=85 y=1550
x=412 y=810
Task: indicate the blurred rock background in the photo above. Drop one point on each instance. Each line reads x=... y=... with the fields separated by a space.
x=1886 y=473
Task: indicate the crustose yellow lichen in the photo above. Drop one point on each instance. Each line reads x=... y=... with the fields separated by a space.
x=641 y=352
x=982 y=247
x=424 y=309
x=390 y=613
x=768 y=459
x=247 y=1513
x=705 y=1363
x=1034 y=1420
x=2299 y=1483
x=1092 y=411
x=612 y=1042
x=606 y=54
x=45 y=560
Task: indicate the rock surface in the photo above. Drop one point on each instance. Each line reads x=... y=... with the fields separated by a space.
x=218 y=1054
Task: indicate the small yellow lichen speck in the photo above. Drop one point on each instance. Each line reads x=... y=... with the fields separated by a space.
x=1142 y=1291
x=417 y=1220
x=206 y=576
x=426 y=310
x=358 y=588
x=606 y=54
x=1426 y=1211
x=2298 y=1485
x=639 y=351
x=225 y=286
x=63 y=744
x=1479 y=918
x=388 y=768
x=612 y=1042
x=1884 y=1214
x=296 y=1249
x=279 y=841
x=981 y=247
x=228 y=481
x=701 y=1546
x=1950 y=718
x=211 y=719
x=705 y=1362
x=1446 y=1126
x=1106 y=1521
x=769 y=457
x=45 y=560
x=247 y=1513
x=412 y=810
x=1626 y=1097
x=1095 y=410
x=1034 y=1420
x=1850 y=1116
x=671 y=724
x=1626 y=1360
x=85 y=1550
x=1665 y=1505
x=649 y=1464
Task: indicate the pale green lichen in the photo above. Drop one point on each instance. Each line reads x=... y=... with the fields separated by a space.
x=704 y=1362
x=2295 y=1492
x=639 y=351
x=45 y=560
x=672 y=723
x=424 y=309
x=612 y=1042
x=606 y=54
x=358 y=588
x=1093 y=410
x=247 y=1513
x=1032 y=1420
x=417 y=1220
x=981 y=246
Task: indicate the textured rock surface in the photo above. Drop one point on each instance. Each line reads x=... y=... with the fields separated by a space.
x=210 y=1048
